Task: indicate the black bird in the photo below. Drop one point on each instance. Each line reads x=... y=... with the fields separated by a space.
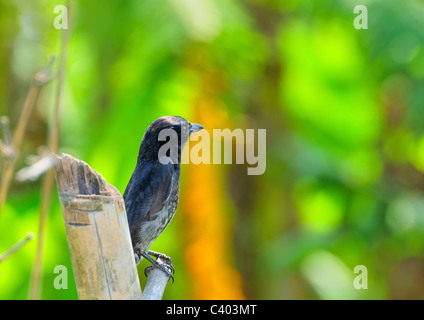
x=151 y=196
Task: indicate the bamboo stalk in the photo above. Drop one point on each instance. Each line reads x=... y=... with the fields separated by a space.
x=97 y=232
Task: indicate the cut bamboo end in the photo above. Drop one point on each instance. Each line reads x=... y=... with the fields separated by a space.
x=97 y=232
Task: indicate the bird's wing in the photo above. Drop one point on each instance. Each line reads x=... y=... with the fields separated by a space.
x=147 y=192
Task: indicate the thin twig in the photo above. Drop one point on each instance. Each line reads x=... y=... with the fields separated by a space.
x=5 y=129
x=16 y=247
x=48 y=180
x=6 y=148
x=40 y=79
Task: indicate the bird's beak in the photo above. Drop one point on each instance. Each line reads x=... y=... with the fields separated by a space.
x=195 y=127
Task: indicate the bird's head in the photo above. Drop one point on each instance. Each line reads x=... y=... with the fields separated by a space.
x=166 y=131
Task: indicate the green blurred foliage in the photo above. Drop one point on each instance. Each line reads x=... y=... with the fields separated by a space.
x=342 y=108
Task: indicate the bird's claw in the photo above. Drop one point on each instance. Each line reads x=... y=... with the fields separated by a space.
x=166 y=266
x=166 y=260
x=147 y=270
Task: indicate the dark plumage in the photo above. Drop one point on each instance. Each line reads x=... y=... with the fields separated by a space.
x=151 y=196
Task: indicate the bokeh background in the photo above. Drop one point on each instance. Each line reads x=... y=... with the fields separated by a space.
x=343 y=109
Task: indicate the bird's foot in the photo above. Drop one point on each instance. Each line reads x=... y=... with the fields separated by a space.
x=165 y=267
x=167 y=260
